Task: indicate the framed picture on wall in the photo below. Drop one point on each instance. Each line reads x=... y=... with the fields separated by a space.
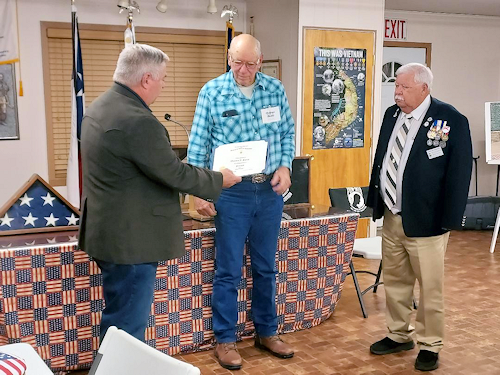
x=272 y=68
x=9 y=125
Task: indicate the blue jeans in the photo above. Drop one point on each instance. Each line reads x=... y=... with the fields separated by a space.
x=251 y=211
x=128 y=294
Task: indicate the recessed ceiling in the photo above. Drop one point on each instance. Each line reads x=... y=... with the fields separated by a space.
x=478 y=7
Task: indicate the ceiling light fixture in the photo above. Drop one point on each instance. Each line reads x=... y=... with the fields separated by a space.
x=123 y=3
x=162 y=6
x=212 y=8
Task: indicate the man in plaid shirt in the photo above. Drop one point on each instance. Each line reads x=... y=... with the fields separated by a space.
x=235 y=107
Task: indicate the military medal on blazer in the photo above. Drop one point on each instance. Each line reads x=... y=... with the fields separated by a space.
x=438 y=133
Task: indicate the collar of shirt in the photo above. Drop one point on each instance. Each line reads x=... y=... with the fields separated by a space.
x=134 y=93
x=230 y=87
x=418 y=112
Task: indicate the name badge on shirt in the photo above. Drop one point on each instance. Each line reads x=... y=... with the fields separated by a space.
x=435 y=152
x=270 y=114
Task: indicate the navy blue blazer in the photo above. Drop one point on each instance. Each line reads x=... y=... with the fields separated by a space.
x=434 y=191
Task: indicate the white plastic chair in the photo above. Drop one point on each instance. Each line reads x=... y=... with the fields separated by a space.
x=123 y=354
x=34 y=363
x=368 y=248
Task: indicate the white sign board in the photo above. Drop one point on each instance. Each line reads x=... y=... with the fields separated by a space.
x=492 y=131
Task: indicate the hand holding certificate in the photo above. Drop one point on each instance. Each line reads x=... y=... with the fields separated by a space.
x=243 y=158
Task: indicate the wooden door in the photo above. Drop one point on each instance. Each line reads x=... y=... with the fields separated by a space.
x=335 y=162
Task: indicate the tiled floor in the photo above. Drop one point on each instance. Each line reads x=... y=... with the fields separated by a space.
x=340 y=345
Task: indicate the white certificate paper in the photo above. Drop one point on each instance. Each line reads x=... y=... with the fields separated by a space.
x=243 y=158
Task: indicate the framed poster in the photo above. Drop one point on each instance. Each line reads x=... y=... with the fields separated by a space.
x=272 y=68
x=349 y=110
x=339 y=97
x=9 y=125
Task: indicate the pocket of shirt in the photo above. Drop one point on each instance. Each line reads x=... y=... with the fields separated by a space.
x=231 y=128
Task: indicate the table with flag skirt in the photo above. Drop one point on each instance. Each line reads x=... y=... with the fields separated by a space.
x=51 y=295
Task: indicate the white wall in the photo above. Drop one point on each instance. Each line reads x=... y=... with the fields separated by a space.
x=344 y=14
x=465 y=62
x=276 y=26
x=21 y=158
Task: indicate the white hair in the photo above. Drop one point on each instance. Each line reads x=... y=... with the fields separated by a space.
x=136 y=60
x=422 y=74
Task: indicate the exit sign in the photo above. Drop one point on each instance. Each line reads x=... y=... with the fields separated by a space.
x=395 y=29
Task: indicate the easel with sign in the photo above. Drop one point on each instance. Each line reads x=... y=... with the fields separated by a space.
x=492 y=128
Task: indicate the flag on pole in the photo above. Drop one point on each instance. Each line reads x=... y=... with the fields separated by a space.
x=8 y=32
x=74 y=172
x=229 y=38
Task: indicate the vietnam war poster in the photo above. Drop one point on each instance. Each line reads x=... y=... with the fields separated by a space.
x=339 y=98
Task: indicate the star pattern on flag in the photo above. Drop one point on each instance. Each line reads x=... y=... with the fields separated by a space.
x=6 y=220
x=26 y=200
x=73 y=220
x=30 y=219
x=37 y=207
x=48 y=199
x=51 y=220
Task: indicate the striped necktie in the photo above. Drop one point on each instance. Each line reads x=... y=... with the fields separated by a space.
x=394 y=160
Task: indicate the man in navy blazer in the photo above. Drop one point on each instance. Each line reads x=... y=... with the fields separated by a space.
x=419 y=184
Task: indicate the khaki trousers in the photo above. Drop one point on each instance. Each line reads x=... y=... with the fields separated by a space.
x=405 y=260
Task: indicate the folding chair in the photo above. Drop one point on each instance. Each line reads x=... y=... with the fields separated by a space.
x=368 y=248
x=353 y=199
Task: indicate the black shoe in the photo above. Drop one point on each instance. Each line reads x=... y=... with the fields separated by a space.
x=427 y=361
x=388 y=346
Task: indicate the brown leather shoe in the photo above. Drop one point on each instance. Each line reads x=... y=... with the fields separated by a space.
x=227 y=355
x=274 y=345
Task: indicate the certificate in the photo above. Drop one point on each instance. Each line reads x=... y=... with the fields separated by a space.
x=243 y=158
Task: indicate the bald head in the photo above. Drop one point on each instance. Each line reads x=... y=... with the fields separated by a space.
x=245 y=42
x=245 y=59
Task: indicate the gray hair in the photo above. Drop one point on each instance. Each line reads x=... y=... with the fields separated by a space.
x=136 y=60
x=422 y=74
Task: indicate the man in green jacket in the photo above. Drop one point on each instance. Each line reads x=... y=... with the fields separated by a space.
x=131 y=216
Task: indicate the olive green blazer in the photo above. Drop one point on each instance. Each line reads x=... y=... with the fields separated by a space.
x=131 y=183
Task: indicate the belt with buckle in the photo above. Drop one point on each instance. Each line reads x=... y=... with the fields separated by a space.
x=257 y=178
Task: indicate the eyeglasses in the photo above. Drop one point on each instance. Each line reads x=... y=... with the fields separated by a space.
x=249 y=64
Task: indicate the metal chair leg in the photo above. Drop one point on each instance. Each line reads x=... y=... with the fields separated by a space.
x=377 y=280
x=358 y=290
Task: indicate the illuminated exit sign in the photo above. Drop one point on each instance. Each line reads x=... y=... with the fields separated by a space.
x=395 y=29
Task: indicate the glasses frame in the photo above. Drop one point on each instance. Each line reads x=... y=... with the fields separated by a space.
x=239 y=64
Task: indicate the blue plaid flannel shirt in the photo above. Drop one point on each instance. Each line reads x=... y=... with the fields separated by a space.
x=210 y=129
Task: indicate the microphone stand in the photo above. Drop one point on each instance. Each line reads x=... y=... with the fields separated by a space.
x=168 y=117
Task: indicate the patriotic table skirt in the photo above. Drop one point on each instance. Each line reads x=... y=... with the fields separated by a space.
x=51 y=296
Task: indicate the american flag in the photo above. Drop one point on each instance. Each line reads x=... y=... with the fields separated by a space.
x=37 y=207
x=11 y=365
x=74 y=172
x=229 y=39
